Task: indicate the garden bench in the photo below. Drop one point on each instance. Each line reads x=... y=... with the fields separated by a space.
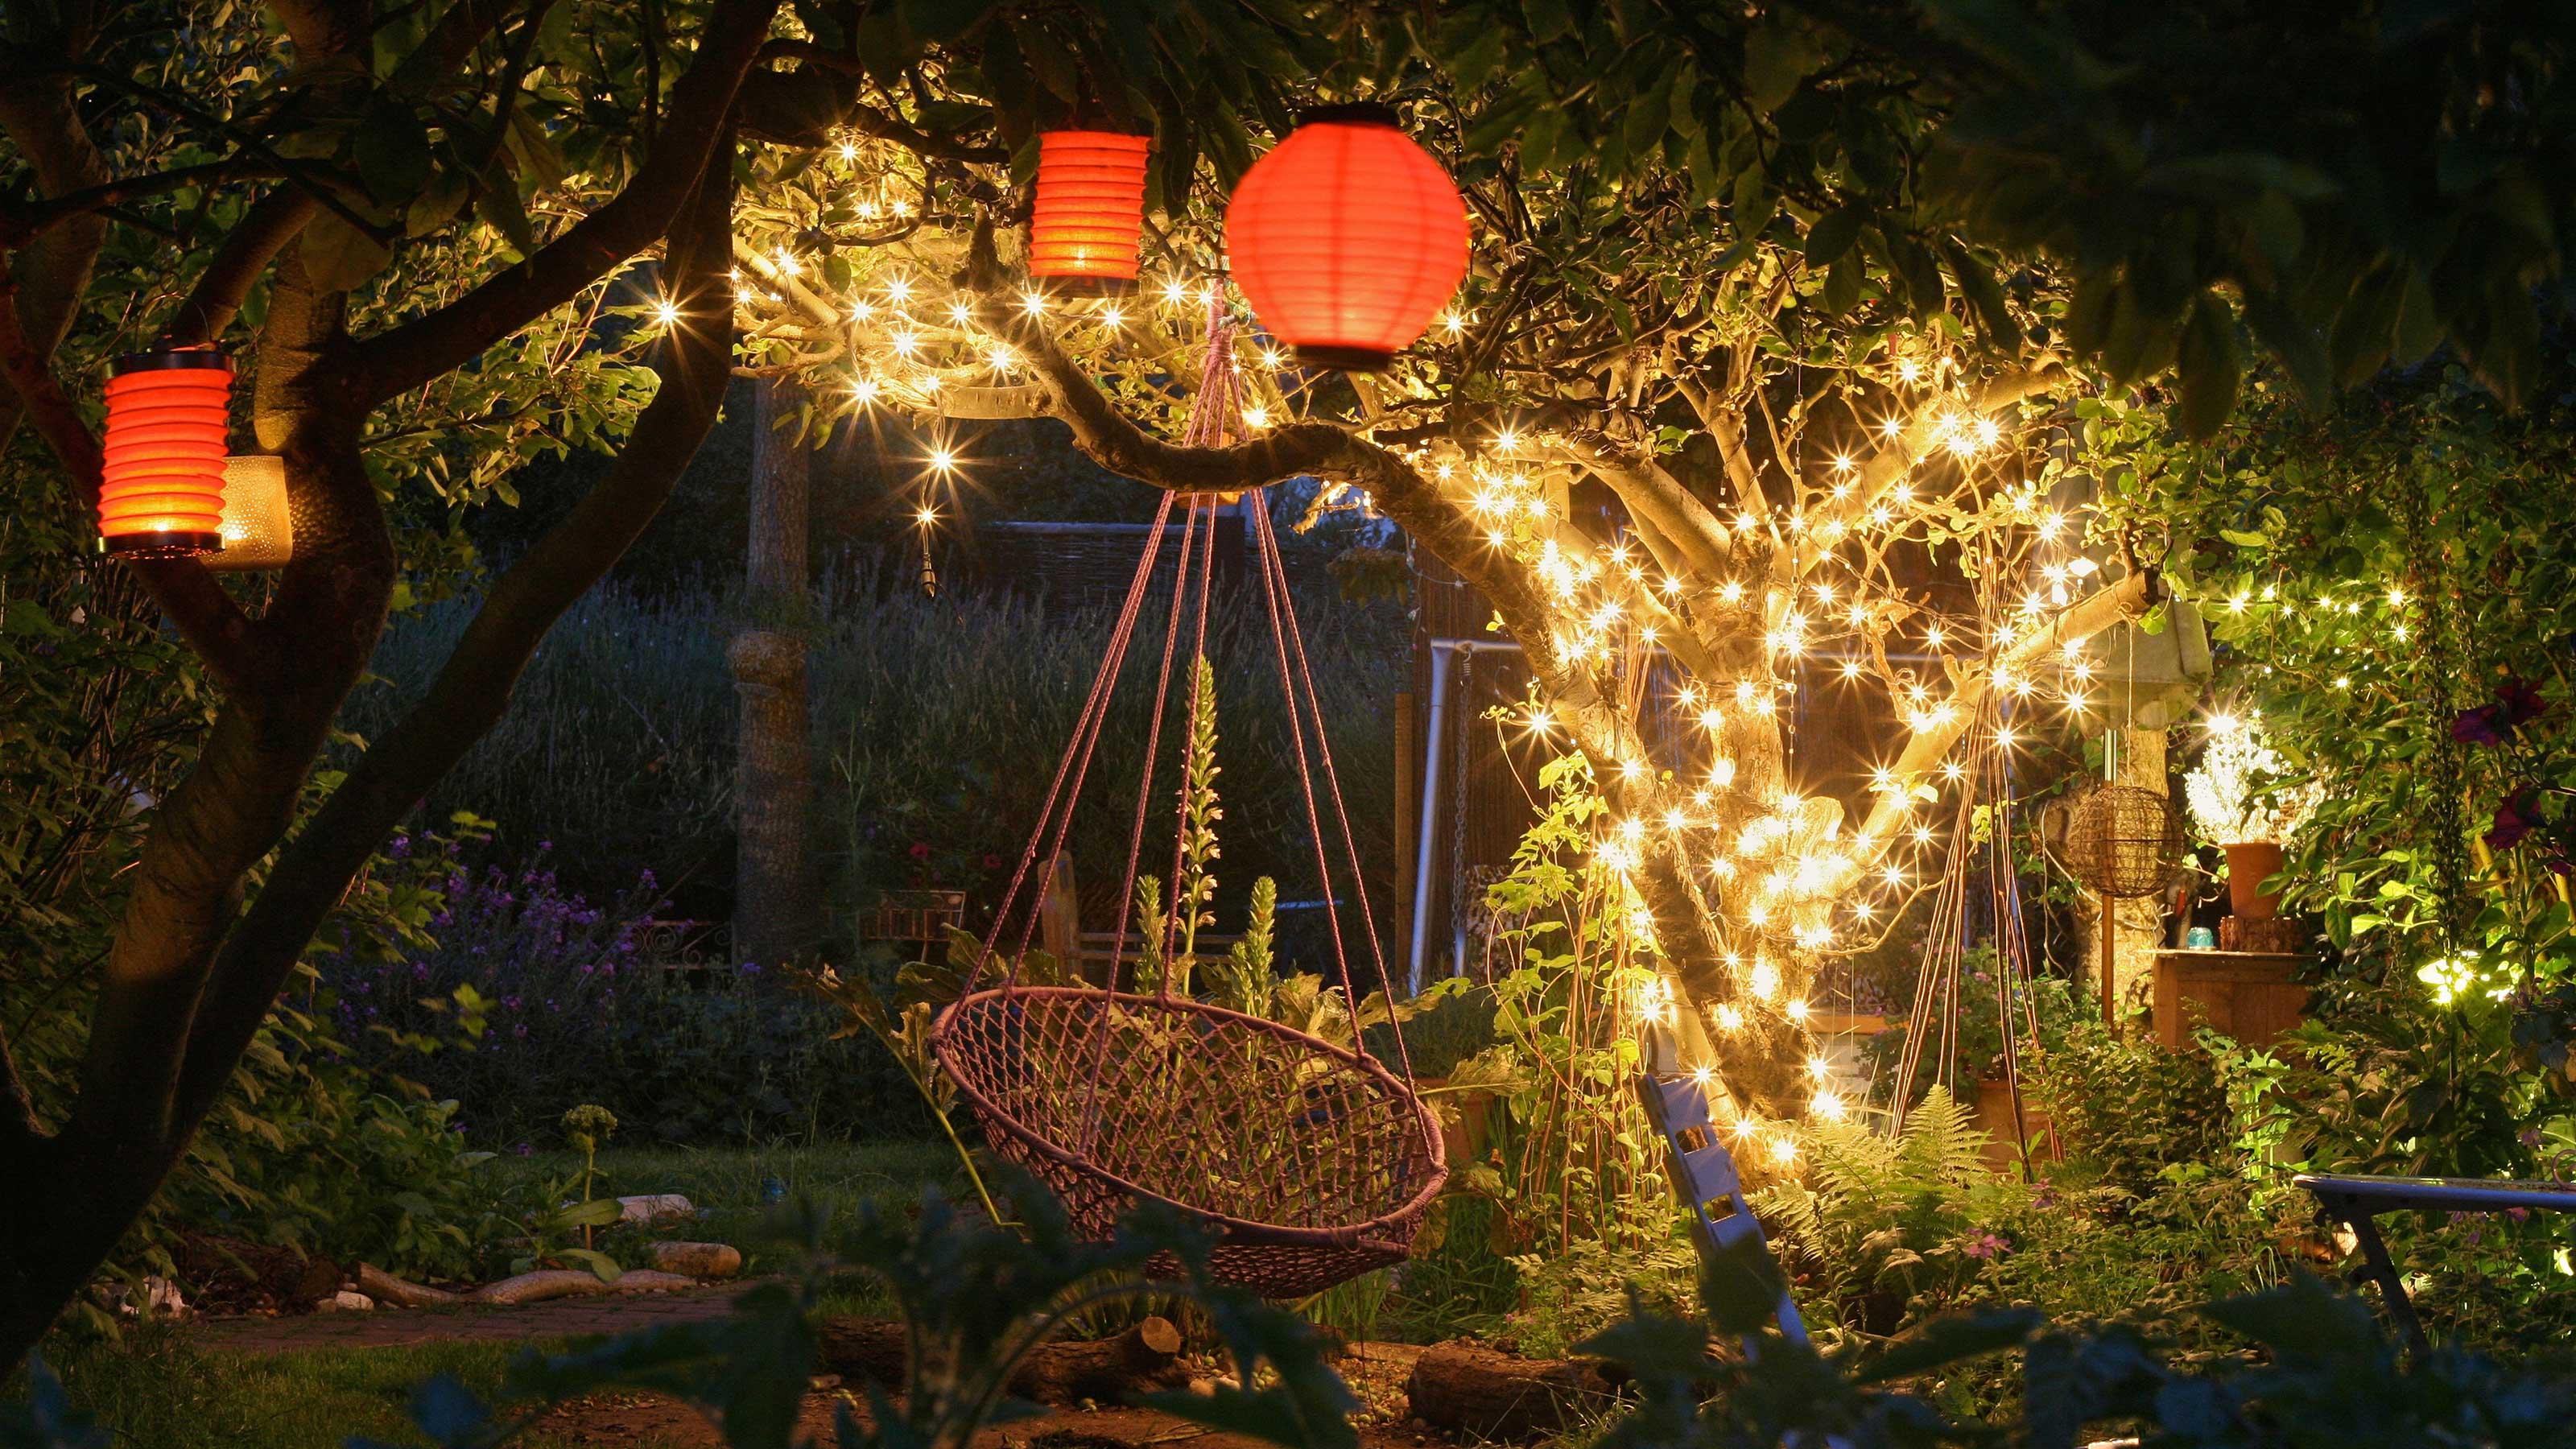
x=2355 y=1201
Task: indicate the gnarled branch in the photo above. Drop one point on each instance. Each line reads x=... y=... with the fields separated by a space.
x=2086 y=617
x=428 y=347
x=473 y=688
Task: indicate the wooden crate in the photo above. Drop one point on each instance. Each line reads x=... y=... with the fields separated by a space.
x=2252 y=996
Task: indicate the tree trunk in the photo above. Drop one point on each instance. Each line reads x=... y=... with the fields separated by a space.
x=773 y=913
x=2137 y=927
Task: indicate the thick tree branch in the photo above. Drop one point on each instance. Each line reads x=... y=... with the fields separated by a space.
x=418 y=351
x=473 y=688
x=807 y=109
x=2081 y=620
x=18 y=224
x=1922 y=434
x=450 y=41
x=54 y=271
x=1655 y=497
x=19 y=1128
x=272 y=221
x=241 y=793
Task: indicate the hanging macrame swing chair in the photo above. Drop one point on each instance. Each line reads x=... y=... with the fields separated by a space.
x=1310 y=1161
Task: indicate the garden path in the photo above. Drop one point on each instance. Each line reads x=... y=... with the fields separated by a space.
x=396 y=1327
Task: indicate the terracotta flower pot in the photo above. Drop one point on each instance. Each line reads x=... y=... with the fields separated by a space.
x=2249 y=864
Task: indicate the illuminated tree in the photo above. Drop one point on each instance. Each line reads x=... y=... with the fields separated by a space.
x=1793 y=513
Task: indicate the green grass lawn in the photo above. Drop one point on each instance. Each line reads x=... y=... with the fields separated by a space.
x=732 y=1187
x=156 y=1390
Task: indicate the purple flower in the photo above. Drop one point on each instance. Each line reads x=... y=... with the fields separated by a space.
x=2511 y=823
x=1986 y=1245
x=2477 y=726
x=2519 y=701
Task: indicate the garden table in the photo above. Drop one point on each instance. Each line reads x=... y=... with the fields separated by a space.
x=2355 y=1201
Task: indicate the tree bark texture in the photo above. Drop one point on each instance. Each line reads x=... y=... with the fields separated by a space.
x=774 y=916
x=1471 y=1389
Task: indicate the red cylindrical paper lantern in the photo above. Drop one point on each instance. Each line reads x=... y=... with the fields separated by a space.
x=161 y=494
x=1347 y=238
x=1090 y=209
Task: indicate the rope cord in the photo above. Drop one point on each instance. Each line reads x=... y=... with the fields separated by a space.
x=1086 y=734
x=1154 y=741
x=1284 y=625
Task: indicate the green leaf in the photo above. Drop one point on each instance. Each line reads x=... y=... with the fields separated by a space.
x=2210 y=368
x=1985 y=295
x=1947 y=1341
x=1842 y=284
x=1834 y=233
x=497 y=202
x=339 y=257
x=1777 y=55
x=602 y=1266
x=1547 y=19
x=599 y=1212
x=1480 y=58
x=1049 y=59
x=392 y=152
x=436 y=203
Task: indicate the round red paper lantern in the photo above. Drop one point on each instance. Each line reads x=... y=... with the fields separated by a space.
x=1090 y=209
x=161 y=492
x=1347 y=238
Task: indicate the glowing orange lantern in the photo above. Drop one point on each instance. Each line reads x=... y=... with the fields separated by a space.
x=1090 y=209
x=1347 y=238
x=161 y=493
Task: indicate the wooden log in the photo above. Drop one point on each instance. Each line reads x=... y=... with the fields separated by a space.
x=534 y=1287
x=1470 y=1389
x=1109 y=1370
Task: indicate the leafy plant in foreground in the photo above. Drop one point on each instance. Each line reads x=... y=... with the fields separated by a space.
x=2327 y=1376
x=975 y=1298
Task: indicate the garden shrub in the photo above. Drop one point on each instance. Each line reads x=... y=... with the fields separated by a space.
x=1885 y=1230
x=566 y=1005
x=2126 y=1110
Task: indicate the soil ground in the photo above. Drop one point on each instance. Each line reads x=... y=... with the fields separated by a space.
x=1376 y=1372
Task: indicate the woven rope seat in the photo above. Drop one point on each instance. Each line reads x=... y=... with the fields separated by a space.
x=1312 y=1164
